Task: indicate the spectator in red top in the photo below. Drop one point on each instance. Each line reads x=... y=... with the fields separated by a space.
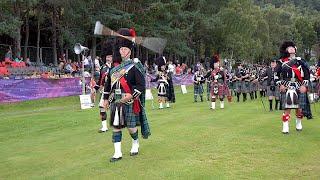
x=184 y=68
x=178 y=70
x=4 y=71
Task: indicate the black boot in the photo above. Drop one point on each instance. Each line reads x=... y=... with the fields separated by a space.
x=255 y=95
x=115 y=159
x=201 y=98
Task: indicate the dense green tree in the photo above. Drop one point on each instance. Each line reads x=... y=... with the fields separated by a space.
x=239 y=29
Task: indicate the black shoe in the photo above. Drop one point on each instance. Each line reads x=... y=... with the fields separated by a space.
x=100 y=131
x=115 y=159
x=299 y=130
x=134 y=153
x=309 y=117
x=285 y=132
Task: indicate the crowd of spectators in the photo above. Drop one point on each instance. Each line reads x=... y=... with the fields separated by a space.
x=176 y=69
x=18 y=68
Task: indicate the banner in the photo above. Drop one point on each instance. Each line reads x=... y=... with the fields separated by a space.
x=28 y=89
x=13 y=90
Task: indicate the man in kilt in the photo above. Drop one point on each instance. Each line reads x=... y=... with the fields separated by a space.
x=125 y=90
x=293 y=84
x=107 y=53
x=219 y=87
x=253 y=84
x=198 y=80
x=231 y=83
x=163 y=87
x=240 y=84
x=262 y=81
x=273 y=76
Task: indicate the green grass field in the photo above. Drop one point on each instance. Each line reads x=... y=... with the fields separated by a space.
x=54 y=139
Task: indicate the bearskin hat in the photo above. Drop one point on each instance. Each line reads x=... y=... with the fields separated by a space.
x=107 y=49
x=283 y=48
x=160 y=61
x=123 y=42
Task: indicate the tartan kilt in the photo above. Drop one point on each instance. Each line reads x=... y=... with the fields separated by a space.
x=245 y=87
x=275 y=93
x=223 y=90
x=250 y=87
x=302 y=101
x=198 y=89
x=263 y=85
x=238 y=86
x=253 y=86
x=127 y=117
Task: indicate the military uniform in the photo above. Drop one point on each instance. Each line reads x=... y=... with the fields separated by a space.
x=294 y=78
x=198 y=81
x=125 y=90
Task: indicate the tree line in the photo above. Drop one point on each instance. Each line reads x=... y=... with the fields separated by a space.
x=195 y=29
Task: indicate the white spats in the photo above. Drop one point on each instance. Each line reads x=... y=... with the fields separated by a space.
x=104 y=126
x=168 y=105
x=160 y=105
x=135 y=147
x=213 y=105
x=222 y=104
x=116 y=120
x=285 y=127
x=298 y=124
x=117 y=150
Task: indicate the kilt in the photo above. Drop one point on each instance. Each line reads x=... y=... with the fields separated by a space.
x=163 y=90
x=275 y=93
x=253 y=86
x=302 y=101
x=223 y=90
x=127 y=117
x=198 y=89
x=238 y=86
x=263 y=85
x=245 y=87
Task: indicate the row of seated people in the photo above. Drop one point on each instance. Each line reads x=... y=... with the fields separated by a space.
x=32 y=72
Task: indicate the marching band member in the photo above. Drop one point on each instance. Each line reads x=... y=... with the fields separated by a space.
x=125 y=91
x=293 y=85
